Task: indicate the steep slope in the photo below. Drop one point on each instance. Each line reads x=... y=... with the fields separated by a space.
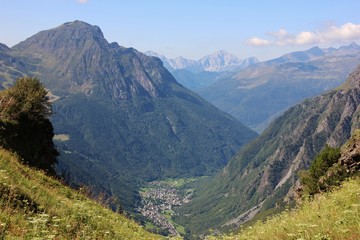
x=35 y=206
x=329 y=216
x=332 y=215
x=13 y=65
x=259 y=93
x=261 y=174
x=120 y=116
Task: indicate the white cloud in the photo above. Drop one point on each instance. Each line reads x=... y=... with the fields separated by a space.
x=258 y=41
x=334 y=34
x=349 y=31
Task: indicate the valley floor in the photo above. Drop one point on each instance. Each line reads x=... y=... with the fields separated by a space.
x=158 y=200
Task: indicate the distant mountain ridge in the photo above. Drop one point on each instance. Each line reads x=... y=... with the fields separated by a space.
x=120 y=117
x=261 y=174
x=220 y=61
x=260 y=92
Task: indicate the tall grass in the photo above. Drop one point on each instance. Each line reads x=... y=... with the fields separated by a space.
x=34 y=206
x=333 y=215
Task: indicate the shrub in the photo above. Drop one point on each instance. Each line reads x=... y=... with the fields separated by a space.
x=319 y=166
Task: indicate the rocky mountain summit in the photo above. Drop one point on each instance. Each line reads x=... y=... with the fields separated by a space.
x=81 y=56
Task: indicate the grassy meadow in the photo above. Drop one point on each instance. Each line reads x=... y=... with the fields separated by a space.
x=333 y=215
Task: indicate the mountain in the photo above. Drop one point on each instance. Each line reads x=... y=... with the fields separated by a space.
x=220 y=61
x=120 y=117
x=260 y=92
x=14 y=65
x=199 y=74
x=260 y=176
x=301 y=56
x=35 y=206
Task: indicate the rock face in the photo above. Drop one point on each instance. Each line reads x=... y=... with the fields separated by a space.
x=261 y=174
x=350 y=158
x=120 y=116
x=349 y=162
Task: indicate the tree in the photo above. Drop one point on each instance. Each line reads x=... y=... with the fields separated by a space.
x=318 y=167
x=25 y=127
x=26 y=99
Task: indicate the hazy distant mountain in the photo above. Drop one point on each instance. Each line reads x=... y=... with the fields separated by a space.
x=259 y=93
x=220 y=61
x=261 y=174
x=120 y=116
x=198 y=74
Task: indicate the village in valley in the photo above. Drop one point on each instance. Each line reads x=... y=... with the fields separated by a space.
x=158 y=199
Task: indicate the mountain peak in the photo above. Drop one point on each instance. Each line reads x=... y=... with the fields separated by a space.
x=82 y=26
x=351 y=46
x=222 y=52
x=88 y=63
x=66 y=37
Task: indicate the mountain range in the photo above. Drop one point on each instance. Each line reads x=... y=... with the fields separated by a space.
x=260 y=177
x=259 y=93
x=247 y=91
x=120 y=117
x=220 y=61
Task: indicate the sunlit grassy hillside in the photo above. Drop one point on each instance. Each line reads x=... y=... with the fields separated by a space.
x=34 y=206
x=334 y=215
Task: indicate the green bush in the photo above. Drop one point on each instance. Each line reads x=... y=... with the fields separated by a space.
x=319 y=166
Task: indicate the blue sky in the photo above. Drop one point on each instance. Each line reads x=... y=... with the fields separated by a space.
x=194 y=28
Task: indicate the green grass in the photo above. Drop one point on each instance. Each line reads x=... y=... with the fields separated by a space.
x=35 y=206
x=180 y=182
x=333 y=215
x=168 y=215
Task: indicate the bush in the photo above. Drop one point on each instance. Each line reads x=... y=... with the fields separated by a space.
x=318 y=168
